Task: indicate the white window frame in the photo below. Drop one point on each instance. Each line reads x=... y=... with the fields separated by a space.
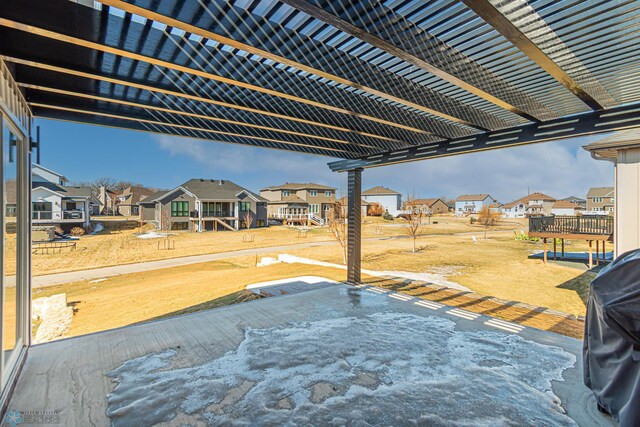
x=313 y=193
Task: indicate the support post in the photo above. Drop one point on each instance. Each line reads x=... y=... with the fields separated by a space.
x=563 y=248
x=555 y=249
x=597 y=252
x=354 y=212
x=544 y=254
x=590 y=254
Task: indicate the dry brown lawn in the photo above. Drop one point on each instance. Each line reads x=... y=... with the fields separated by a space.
x=132 y=298
x=118 y=244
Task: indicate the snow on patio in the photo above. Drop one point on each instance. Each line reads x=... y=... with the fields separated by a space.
x=378 y=369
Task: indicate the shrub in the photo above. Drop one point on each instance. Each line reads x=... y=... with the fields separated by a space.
x=77 y=231
x=375 y=209
x=472 y=220
x=387 y=216
x=59 y=230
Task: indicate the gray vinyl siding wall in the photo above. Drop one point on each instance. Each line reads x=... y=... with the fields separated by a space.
x=166 y=207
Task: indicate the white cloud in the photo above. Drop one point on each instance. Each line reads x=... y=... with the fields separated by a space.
x=559 y=169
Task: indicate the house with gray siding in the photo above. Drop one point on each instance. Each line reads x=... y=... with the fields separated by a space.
x=390 y=200
x=468 y=204
x=204 y=205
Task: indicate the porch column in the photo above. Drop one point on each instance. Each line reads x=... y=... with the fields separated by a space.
x=354 y=213
x=236 y=213
x=623 y=149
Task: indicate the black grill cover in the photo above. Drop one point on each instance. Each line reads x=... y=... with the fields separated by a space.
x=612 y=339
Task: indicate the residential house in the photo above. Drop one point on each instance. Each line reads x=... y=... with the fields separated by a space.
x=577 y=200
x=472 y=203
x=127 y=201
x=565 y=207
x=496 y=207
x=533 y=204
x=390 y=200
x=106 y=201
x=428 y=206
x=204 y=205
x=600 y=200
x=297 y=200
x=364 y=206
x=54 y=203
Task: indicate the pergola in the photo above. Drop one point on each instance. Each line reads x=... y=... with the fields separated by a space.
x=370 y=83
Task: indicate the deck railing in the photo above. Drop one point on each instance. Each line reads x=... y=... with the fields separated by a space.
x=53 y=216
x=561 y=224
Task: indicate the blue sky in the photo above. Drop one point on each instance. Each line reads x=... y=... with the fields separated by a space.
x=84 y=153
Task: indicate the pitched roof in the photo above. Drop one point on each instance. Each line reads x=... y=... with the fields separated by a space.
x=208 y=189
x=495 y=205
x=472 y=197
x=65 y=190
x=379 y=190
x=35 y=167
x=134 y=194
x=298 y=186
x=579 y=199
x=428 y=202
x=565 y=204
x=600 y=192
x=526 y=199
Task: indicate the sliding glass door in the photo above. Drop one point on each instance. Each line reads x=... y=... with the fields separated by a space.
x=14 y=229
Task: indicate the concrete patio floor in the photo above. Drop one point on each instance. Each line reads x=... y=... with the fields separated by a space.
x=338 y=355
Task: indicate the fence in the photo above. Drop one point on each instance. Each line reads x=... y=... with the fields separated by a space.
x=52 y=247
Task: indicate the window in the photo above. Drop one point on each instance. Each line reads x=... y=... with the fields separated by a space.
x=180 y=225
x=244 y=206
x=179 y=208
x=328 y=193
x=612 y=200
x=11 y=210
x=610 y=208
x=260 y=223
x=286 y=193
x=326 y=206
x=313 y=208
x=597 y=200
x=313 y=192
x=135 y=210
x=71 y=206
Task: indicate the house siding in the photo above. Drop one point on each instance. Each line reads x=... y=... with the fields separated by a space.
x=389 y=202
x=165 y=206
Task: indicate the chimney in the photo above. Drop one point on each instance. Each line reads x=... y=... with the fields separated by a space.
x=221 y=182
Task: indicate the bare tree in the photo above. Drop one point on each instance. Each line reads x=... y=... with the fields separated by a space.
x=488 y=218
x=247 y=219
x=412 y=219
x=106 y=182
x=337 y=222
x=165 y=218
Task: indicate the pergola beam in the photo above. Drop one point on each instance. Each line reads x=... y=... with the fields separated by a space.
x=218 y=136
x=149 y=106
x=590 y=123
x=101 y=78
x=42 y=32
x=401 y=48
x=522 y=39
x=462 y=116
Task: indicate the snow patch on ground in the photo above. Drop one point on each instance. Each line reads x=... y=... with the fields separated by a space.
x=54 y=315
x=433 y=276
x=98 y=228
x=381 y=369
x=153 y=235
